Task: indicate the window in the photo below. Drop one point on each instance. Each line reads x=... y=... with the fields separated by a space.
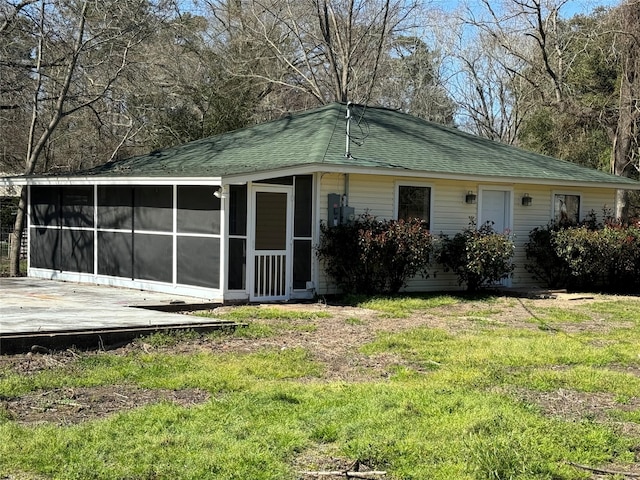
x=414 y=202
x=566 y=208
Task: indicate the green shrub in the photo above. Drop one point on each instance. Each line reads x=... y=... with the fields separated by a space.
x=604 y=259
x=592 y=255
x=543 y=263
x=371 y=256
x=478 y=256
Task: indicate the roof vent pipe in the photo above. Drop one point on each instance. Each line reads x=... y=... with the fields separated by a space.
x=347 y=152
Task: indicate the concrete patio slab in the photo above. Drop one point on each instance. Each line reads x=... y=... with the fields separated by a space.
x=36 y=308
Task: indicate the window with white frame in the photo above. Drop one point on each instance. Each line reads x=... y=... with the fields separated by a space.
x=414 y=201
x=566 y=208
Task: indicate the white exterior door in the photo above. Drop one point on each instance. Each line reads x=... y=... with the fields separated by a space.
x=495 y=206
x=271 y=242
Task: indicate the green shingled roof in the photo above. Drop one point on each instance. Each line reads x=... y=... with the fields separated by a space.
x=383 y=139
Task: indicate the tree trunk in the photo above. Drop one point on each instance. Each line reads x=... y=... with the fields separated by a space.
x=16 y=235
x=36 y=147
x=629 y=114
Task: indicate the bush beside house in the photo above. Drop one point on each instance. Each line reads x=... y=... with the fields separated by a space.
x=589 y=256
x=479 y=257
x=370 y=256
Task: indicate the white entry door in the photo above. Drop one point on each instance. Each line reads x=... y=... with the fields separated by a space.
x=495 y=206
x=271 y=234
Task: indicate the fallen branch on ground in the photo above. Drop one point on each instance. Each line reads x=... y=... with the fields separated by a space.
x=603 y=471
x=346 y=474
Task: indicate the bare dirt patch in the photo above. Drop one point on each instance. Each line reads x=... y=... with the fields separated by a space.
x=572 y=405
x=65 y=406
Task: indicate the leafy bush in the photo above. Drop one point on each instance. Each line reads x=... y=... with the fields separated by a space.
x=478 y=256
x=544 y=264
x=372 y=256
x=606 y=259
x=592 y=255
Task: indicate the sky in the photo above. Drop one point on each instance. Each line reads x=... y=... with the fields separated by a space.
x=571 y=8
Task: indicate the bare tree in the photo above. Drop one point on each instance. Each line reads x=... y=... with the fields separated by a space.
x=411 y=80
x=529 y=31
x=327 y=50
x=80 y=50
x=484 y=81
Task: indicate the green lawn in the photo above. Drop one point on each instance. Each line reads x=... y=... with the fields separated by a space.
x=482 y=388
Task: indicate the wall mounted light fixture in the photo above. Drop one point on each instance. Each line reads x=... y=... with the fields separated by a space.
x=221 y=192
x=470 y=198
x=526 y=200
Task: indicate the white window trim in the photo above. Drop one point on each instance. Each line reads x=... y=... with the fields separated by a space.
x=408 y=183
x=565 y=192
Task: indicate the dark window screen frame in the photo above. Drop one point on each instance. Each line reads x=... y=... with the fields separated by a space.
x=62 y=228
x=77 y=206
x=198 y=209
x=153 y=208
x=237 y=206
x=115 y=207
x=45 y=205
x=414 y=201
x=67 y=223
x=567 y=207
x=303 y=206
x=302 y=257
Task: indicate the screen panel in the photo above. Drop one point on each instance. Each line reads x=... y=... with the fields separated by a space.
x=301 y=264
x=237 y=266
x=153 y=208
x=115 y=254
x=198 y=210
x=45 y=248
x=115 y=207
x=76 y=206
x=45 y=205
x=153 y=257
x=199 y=261
x=303 y=206
x=271 y=221
x=238 y=210
x=76 y=251
x=277 y=181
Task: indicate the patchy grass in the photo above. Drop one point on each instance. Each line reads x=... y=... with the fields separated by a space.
x=354 y=321
x=617 y=310
x=265 y=322
x=265 y=313
x=4 y=262
x=411 y=428
x=452 y=403
x=213 y=372
x=170 y=338
x=560 y=315
x=402 y=307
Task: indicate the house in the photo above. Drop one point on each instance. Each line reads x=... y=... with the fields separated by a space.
x=236 y=216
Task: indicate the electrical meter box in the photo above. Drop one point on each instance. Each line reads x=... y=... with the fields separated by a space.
x=338 y=212
x=348 y=214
